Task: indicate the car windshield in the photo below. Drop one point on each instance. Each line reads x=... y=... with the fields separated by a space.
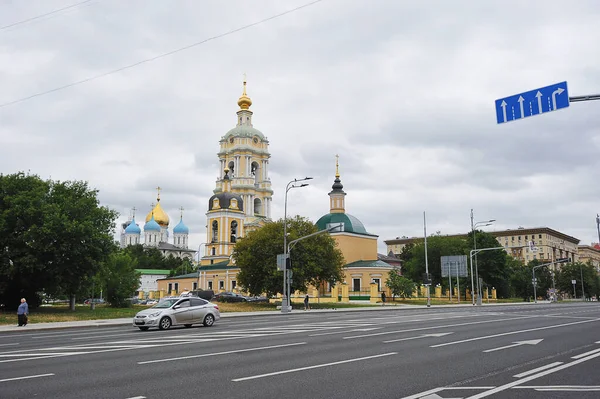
x=167 y=303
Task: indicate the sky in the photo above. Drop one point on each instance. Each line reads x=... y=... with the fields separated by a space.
x=131 y=95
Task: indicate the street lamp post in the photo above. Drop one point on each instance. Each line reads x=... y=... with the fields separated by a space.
x=285 y=300
x=534 y=280
x=598 y=227
x=473 y=232
x=582 y=289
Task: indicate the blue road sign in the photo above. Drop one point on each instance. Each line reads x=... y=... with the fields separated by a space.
x=534 y=102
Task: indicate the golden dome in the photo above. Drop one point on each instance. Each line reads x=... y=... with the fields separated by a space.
x=160 y=216
x=244 y=101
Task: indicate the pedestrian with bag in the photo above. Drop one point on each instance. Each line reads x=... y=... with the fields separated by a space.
x=383 y=296
x=23 y=312
x=306 y=305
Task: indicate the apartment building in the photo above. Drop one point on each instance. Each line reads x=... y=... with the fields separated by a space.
x=591 y=254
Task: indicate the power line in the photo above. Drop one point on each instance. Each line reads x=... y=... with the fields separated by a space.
x=158 y=56
x=44 y=15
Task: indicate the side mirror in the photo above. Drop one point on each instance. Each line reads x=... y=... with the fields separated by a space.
x=176 y=307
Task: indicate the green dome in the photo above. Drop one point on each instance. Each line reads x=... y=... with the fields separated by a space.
x=244 y=131
x=351 y=223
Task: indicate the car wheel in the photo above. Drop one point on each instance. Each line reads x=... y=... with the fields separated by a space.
x=165 y=323
x=187 y=325
x=209 y=320
x=144 y=328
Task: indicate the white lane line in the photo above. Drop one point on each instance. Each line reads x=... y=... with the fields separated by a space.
x=313 y=367
x=422 y=395
x=222 y=353
x=26 y=377
x=137 y=397
x=526 y=373
x=433 y=327
x=40 y=354
x=9 y=344
x=565 y=388
x=532 y=377
x=586 y=354
x=417 y=337
x=513 y=332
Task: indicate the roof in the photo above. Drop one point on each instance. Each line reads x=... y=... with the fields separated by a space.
x=369 y=264
x=181 y=228
x=388 y=258
x=351 y=223
x=215 y=266
x=225 y=201
x=168 y=246
x=153 y=271
x=244 y=131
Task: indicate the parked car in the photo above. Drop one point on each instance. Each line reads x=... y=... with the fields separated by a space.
x=178 y=311
x=204 y=294
x=257 y=299
x=229 y=297
x=96 y=301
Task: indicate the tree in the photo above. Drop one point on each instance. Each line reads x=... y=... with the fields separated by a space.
x=400 y=285
x=54 y=236
x=573 y=271
x=314 y=261
x=491 y=266
x=120 y=279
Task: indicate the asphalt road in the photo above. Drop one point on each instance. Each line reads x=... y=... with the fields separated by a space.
x=533 y=351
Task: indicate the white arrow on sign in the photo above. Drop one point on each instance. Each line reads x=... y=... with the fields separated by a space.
x=518 y=343
x=539 y=98
x=417 y=337
x=554 y=94
x=520 y=100
x=503 y=105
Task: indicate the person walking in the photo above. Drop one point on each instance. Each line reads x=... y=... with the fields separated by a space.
x=383 y=298
x=23 y=312
x=306 y=305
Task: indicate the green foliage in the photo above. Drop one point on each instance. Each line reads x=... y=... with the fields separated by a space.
x=400 y=285
x=152 y=258
x=491 y=265
x=574 y=271
x=53 y=235
x=119 y=278
x=437 y=246
x=314 y=261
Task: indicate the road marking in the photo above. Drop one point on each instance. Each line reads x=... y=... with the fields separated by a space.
x=586 y=354
x=434 y=327
x=417 y=337
x=434 y=390
x=313 y=367
x=526 y=373
x=26 y=377
x=564 y=388
x=8 y=344
x=512 y=332
x=221 y=353
x=137 y=397
x=532 y=377
x=515 y=344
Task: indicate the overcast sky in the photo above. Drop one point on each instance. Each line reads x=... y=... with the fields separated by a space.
x=402 y=90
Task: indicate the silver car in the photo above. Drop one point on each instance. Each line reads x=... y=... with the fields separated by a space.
x=177 y=311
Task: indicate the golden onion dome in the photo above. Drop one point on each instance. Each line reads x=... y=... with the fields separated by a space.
x=160 y=216
x=244 y=101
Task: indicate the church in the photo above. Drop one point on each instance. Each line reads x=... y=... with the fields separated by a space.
x=241 y=202
x=156 y=233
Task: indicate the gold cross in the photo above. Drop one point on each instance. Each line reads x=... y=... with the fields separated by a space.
x=337 y=171
x=133 y=209
x=158 y=195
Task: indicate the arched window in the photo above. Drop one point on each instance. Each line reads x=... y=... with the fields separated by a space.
x=231 y=167
x=213 y=251
x=215 y=231
x=234 y=226
x=258 y=207
x=254 y=171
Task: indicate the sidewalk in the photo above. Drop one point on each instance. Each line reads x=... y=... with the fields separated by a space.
x=128 y=321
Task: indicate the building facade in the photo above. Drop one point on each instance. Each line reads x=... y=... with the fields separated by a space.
x=590 y=254
x=541 y=243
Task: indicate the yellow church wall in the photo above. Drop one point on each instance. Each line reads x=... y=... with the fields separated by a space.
x=356 y=247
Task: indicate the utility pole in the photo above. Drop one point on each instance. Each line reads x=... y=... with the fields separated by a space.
x=427 y=280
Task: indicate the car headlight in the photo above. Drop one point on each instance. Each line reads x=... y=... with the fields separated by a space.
x=154 y=314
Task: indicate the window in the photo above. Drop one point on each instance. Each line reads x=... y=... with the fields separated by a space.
x=234 y=226
x=184 y=304
x=176 y=286
x=215 y=231
x=221 y=284
x=540 y=236
x=233 y=284
x=355 y=284
x=213 y=251
x=195 y=286
x=170 y=288
x=378 y=282
x=198 y=302
x=210 y=285
x=337 y=227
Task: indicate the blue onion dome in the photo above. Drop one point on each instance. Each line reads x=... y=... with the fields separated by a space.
x=181 y=228
x=151 y=225
x=133 y=228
